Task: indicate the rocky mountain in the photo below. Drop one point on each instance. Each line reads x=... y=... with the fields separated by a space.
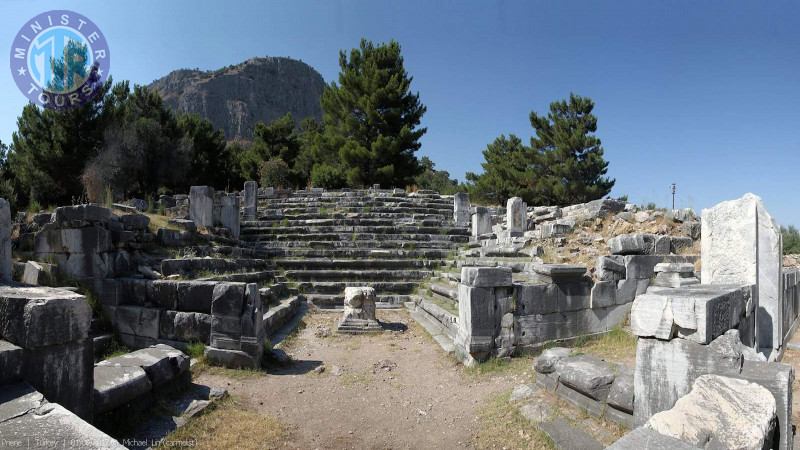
x=234 y=98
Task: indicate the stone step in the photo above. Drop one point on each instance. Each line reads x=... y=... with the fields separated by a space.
x=569 y=437
x=396 y=215
x=355 y=202
x=344 y=253
x=219 y=265
x=355 y=237
x=360 y=244
x=243 y=277
x=346 y=229
x=337 y=287
x=356 y=275
x=446 y=291
x=354 y=221
x=336 y=301
x=433 y=327
x=380 y=264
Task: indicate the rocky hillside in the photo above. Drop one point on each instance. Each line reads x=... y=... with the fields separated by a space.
x=234 y=98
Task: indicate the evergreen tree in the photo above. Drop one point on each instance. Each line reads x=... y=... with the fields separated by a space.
x=371 y=119
x=210 y=158
x=502 y=172
x=437 y=180
x=278 y=140
x=791 y=240
x=565 y=164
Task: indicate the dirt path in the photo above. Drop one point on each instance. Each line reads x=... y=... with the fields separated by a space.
x=394 y=390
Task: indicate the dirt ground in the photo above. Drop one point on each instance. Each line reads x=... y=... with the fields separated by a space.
x=393 y=390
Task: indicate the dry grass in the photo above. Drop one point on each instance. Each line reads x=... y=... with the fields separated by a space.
x=502 y=426
x=158 y=221
x=616 y=346
x=498 y=366
x=230 y=425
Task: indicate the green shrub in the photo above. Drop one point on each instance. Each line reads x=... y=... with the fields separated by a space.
x=34 y=207
x=196 y=350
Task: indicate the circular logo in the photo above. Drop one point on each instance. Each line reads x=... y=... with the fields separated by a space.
x=59 y=59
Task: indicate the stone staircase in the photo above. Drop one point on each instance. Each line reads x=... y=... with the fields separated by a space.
x=322 y=242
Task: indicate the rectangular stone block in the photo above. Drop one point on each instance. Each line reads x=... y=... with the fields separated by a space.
x=581 y=401
x=478 y=317
x=642 y=266
x=461 y=213
x=481 y=221
x=161 y=363
x=73 y=240
x=201 y=205
x=486 y=276
x=117 y=386
x=601 y=319
x=228 y=299
x=63 y=373
x=644 y=438
x=229 y=214
x=250 y=200
x=163 y=294
x=10 y=362
x=550 y=298
x=196 y=296
x=538 y=328
x=37 y=316
x=604 y=293
x=516 y=216
x=138 y=321
x=776 y=378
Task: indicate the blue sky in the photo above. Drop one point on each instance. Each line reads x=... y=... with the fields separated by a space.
x=702 y=94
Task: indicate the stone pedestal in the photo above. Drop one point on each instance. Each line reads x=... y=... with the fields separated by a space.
x=674 y=275
x=481 y=221
x=741 y=243
x=484 y=297
x=516 y=215
x=359 y=312
x=250 y=200
x=201 y=205
x=461 y=208
x=229 y=214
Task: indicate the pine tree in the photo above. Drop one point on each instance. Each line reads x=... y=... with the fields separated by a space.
x=565 y=164
x=371 y=119
x=502 y=171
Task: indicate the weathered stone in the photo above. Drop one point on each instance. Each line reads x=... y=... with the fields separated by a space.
x=580 y=400
x=161 y=363
x=5 y=242
x=604 y=293
x=479 y=317
x=662 y=245
x=37 y=273
x=250 y=200
x=38 y=316
x=674 y=267
x=481 y=221
x=516 y=216
x=629 y=288
x=560 y=271
x=137 y=321
x=115 y=386
x=696 y=313
x=63 y=373
x=539 y=328
x=11 y=362
x=647 y=439
x=134 y=222
x=609 y=268
x=601 y=319
x=720 y=412
x=65 y=215
x=73 y=240
x=546 y=362
x=201 y=205
x=565 y=436
x=229 y=214
x=675 y=279
x=536 y=411
x=196 y=296
x=587 y=374
x=691 y=229
x=621 y=394
x=741 y=243
x=186 y=224
x=680 y=244
x=231 y=358
x=486 y=276
x=641 y=266
x=628 y=244
x=163 y=293
x=461 y=214
x=227 y=299
x=522 y=392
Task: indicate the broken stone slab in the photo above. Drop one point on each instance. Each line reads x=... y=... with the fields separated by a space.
x=231 y=358
x=17 y=399
x=642 y=266
x=185 y=224
x=647 y=439
x=595 y=320
x=620 y=396
x=539 y=328
x=580 y=400
x=137 y=321
x=699 y=313
x=38 y=316
x=691 y=229
x=486 y=276
x=675 y=279
x=522 y=392
x=629 y=288
x=587 y=374
x=536 y=411
x=674 y=268
x=516 y=215
x=115 y=386
x=566 y=436
x=160 y=362
x=681 y=215
x=134 y=222
x=560 y=271
x=546 y=362
x=46 y=425
x=720 y=412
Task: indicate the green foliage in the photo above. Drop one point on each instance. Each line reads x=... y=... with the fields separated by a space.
x=437 y=180
x=502 y=171
x=791 y=240
x=274 y=172
x=285 y=222
x=34 y=207
x=212 y=163
x=108 y=200
x=324 y=175
x=371 y=120
x=196 y=350
x=564 y=164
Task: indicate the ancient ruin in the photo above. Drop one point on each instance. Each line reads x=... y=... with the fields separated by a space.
x=234 y=272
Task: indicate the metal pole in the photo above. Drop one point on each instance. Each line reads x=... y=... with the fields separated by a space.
x=673 y=195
